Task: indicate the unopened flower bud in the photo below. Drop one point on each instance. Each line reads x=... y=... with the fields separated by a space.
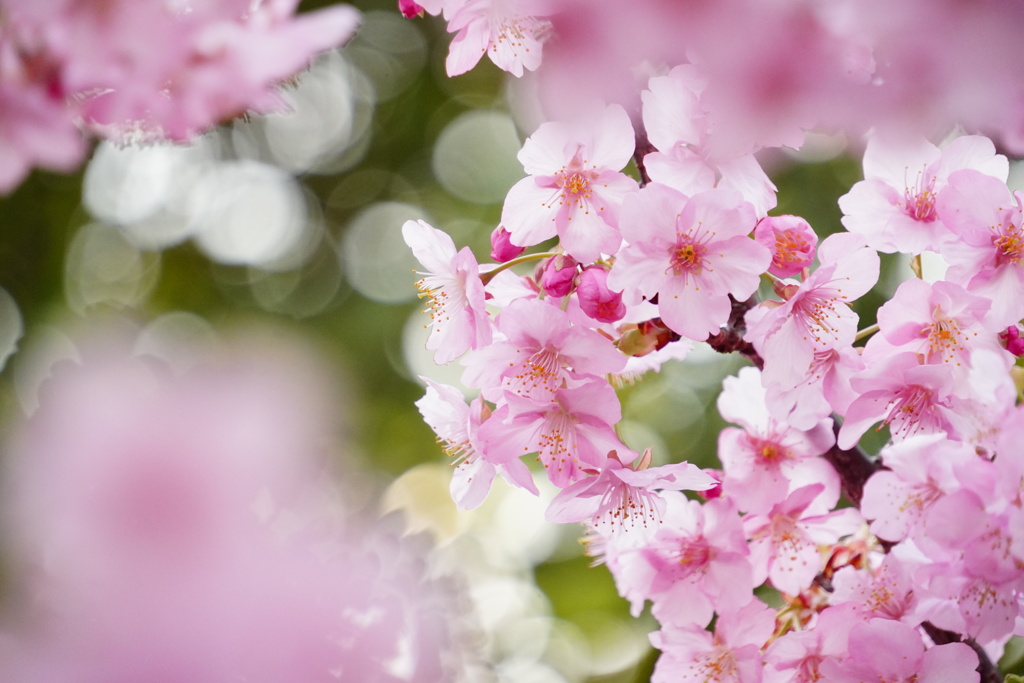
x=409 y=8
x=790 y=239
x=1012 y=340
x=502 y=248
x=643 y=338
x=596 y=300
x=558 y=275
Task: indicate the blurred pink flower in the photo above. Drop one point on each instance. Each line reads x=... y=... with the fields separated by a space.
x=174 y=528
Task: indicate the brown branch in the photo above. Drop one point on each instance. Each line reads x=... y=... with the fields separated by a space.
x=643 y=148
x=730 y=338
x=989 y=672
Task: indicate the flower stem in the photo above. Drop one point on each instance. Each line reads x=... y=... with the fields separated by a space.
x=489 y=275
x=866 y=332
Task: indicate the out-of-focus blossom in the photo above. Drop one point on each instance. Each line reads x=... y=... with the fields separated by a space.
x=172 y=528
x=144 y=69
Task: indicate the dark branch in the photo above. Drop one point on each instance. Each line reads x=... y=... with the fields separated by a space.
x=642 y=149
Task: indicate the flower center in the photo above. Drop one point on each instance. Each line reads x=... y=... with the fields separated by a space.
x=908 y=409
x=919 y=201
x=790 y=248
x=944 y=337
x=1009 y=246
x=687 y=258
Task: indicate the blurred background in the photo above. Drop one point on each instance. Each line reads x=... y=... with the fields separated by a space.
x=292 y=222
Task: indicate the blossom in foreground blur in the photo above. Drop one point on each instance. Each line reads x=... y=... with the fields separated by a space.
x=144 y=69
x=182 y=528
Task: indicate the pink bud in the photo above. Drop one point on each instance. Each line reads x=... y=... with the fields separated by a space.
x=558 y=275
x=791 y=241
x=502 y=248
x=596 y=300
x=1012 y=340
x=409 y=8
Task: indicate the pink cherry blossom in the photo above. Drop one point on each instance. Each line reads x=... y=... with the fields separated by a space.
x=1012 y=341
x=180 y=527
x=575 y=186
x=696 y=563
x=796 y=657
x=886 y=592
x=454 y=292
x=884 y=650
x=791 y=241
x=784 y=541
x=691 y=253
x=570 y=434
x=502 y=249
x=816 y=315
x=907 y=397
x=619 y=497
x=559 y=275
x=457 y=426
x=689 y=157
x=35 y=130
x=940 y=322
x=768 y=458
x=987 y=254
x=596 y=299
x=919 y=471
x=544 y=351
x=503 y=29
x=731 y=655
x=894 y=207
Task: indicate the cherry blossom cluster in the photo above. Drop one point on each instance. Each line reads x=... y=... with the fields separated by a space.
x=138 y=70
x=902 y=565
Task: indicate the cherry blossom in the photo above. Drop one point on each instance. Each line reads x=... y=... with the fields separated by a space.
x=575 y=186
x=791 y=241
x=457 y=426
x=768 y=458
x=501 y=29
x=570 y=434
x=894 y=207
x=692 y=253
x=453 y=289
x=731 y=655
x=542 y=353
x=816 y=315
x=885 y=650
x=985 y=256
x=619 y=497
